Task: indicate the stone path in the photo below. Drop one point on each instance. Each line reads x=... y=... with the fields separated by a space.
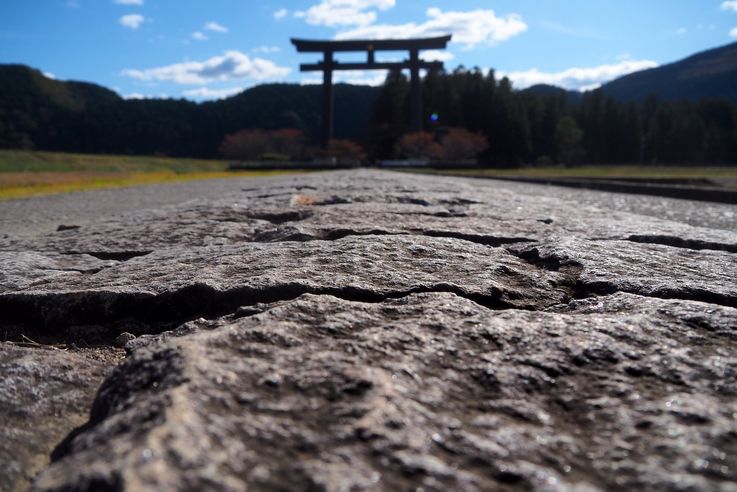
x=373 y=331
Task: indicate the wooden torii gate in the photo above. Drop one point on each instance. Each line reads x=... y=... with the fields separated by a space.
x=328 y=65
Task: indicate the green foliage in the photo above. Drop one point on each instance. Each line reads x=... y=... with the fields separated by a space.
x=568 y=138
x=553 y=126
x=41 y=113
x=541 y=124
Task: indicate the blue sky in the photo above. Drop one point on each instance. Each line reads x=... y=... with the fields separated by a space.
x=208 y=49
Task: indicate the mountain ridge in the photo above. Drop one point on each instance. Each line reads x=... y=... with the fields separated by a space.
x=707 y=74
x=542 y=123
x=41 y=112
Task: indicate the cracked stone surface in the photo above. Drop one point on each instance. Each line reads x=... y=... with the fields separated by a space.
x=372 y=331
x=447 y=395
x=648 y=269
x=44 y=392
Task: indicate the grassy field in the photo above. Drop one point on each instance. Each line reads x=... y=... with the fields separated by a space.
x=25 y=173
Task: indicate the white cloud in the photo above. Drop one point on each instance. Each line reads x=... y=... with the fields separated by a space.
x=199 y=36
x=437 y=55
x=578 y=78
x=681 y=30
x=730 y=5
x=266 y=49
x=344 y=12
x=129 y=2
x=207 y=93
x=49 y=75
x=232 y=65
x=468 y=28
x=215 y=27
x=280 y=14
x=131 y=21
x=590 y=87
x=138 y=95
x=357 y=77
x=733 y=32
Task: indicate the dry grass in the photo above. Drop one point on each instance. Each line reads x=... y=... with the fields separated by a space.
x=38 y=161
x=24 y=173
x=19 y=185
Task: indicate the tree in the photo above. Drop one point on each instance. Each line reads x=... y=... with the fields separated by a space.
x=289 y=142
x=520 y=126
x=459 y=144
x=419 y=145
x=390 y=118
x=568 y=138
x=244 y=144
x=285 y=144
x=345 y=150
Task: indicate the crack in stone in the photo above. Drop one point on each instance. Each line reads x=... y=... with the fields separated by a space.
x=410 y=200
x=581 y=289
x=52 y=315
x=86 y=271
x=334 y=200
x=337 y=234
x=679 y=242
x=447 y=214
x=486 y=240
x=111 y=255
x=293 y=234
x=585 y=290
x=460 y=201
x=63 y=227
x=278 y=218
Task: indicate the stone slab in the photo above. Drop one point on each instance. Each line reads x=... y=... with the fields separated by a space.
x=371 y=331
x=429 y=391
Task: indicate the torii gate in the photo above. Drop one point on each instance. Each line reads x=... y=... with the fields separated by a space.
x=328 y=65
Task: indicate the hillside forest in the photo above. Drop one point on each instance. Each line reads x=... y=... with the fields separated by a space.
x=503 y=126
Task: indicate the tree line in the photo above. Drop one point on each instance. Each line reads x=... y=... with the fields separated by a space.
x=44 y=114
x=555 y=126
x=464 y=109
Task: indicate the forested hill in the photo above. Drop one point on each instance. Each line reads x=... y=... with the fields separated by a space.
x=547 y=90
x=692 y=119
x=41 y=113
x=709 y=74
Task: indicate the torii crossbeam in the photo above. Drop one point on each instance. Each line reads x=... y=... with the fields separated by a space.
x=328 y=65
